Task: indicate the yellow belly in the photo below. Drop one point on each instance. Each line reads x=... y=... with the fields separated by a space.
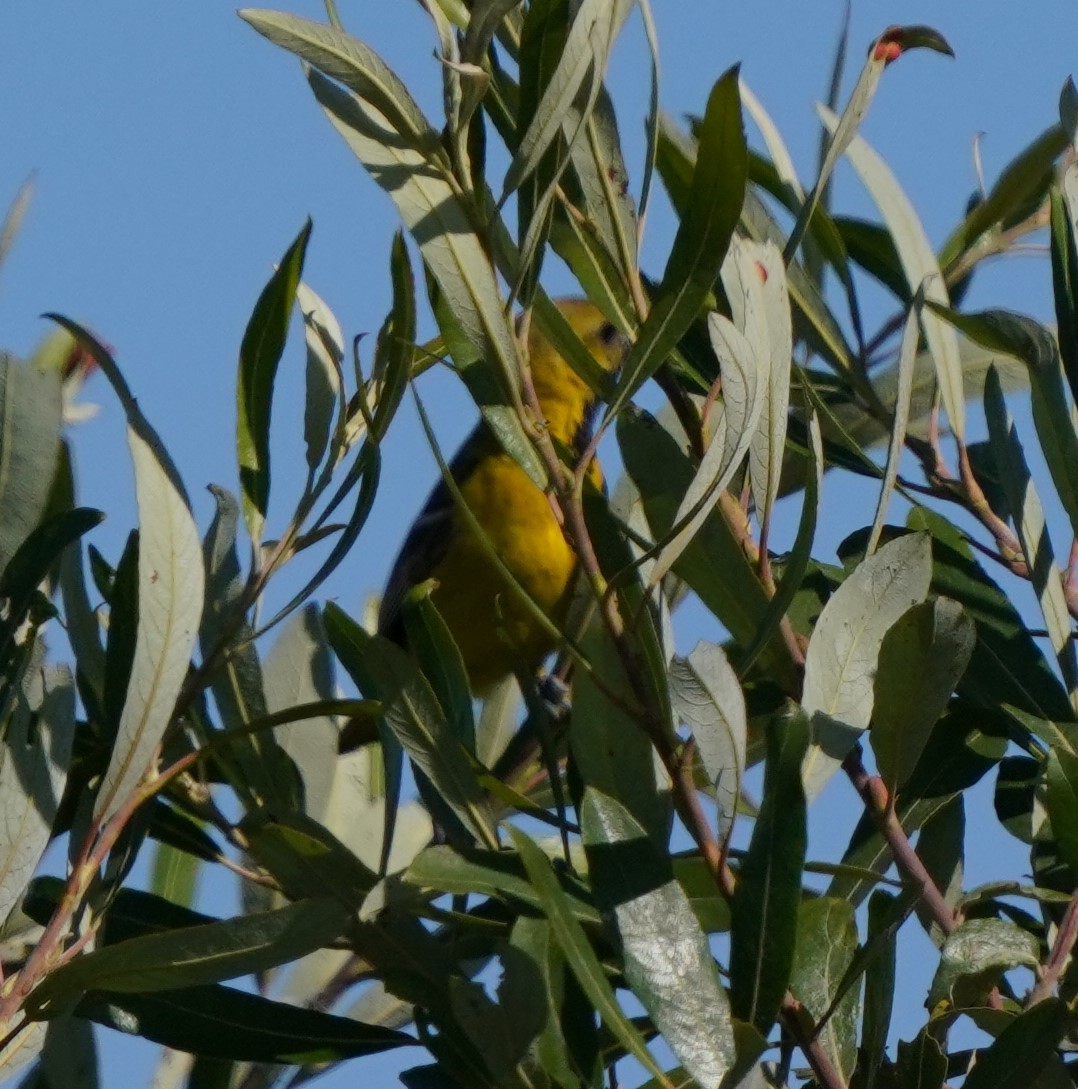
x=497 y=632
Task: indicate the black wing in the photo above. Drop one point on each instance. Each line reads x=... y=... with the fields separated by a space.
x=428 y=540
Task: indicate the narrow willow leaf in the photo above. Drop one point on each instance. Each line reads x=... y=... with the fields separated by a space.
x=713 y=563
x=763 y=923
x=1029 y=341
x=841 y=661
x=433 y=212
x=170 y=592
x=351 y=62
x=1062 y=800
x=260 y=353
x=773 y=141
x=306 y=859
x=744 y=386
x=613 y=754
x=1021 y=184
x=797 y=563
x=253 y=762
x=1007 y=667
x=396 y=339
x=22 y=1050
x=13 y=218
x=299 y=669
x=30 y=417
x=1065 y=282
x=325 y=358
x=922 y=658
x=69 y=1057
x=920 y=265
x=1024 y=1049
x=431 y=641
x=766 y=455
x=879 y=986
x=578 y=951
x=651 y=124
x=194 y=955
x=36 y=758
x=826 y=943
x=412 y=712
x=907 y=358
x=1032 y=532
x=230 y=1024
x=921 y=1062
x=668 y=963
x=708 y=698
x=488 y=873
x=716 y=194
x=580 y=73
x=843 y=131
x=975 y=956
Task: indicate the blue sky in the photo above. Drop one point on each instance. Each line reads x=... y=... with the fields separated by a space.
x=176 y=154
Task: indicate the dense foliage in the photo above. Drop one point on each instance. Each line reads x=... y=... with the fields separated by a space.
x=612 y=892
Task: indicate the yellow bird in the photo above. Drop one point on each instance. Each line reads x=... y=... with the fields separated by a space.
x=496 y=632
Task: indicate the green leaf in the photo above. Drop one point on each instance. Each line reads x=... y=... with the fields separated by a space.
x=1021 y=185
x=299 y=670
x=462 y=872
x=577 y=78
x=843 y=654
x=306 y=859
x=13 y=218
x=435 y=214
x=879 y=985
x=1062 y=779
x=907 y=358
x=396 y=339
x=260 y=353
x=1028 y=340
x=578 y=951
x=843 y=130
x=170 y=593
x=1065 y=286
x=36 y=758
x=612 y=752
x=975 y=956
x=921 y=1062
x=30 y=415
x=922 y=658
x=230 y=1024
x=920 y=266
x=668 y=962
x=69 y=1057
x=745 y=380
x=716 y=193
x=325 y=360
x=194 y=955
x=826 y=942
x=430 y=640
x=34 y=559
x=1007 y=666
x=763 y=924
x=351 y=62
x=708 y=698
x=1032 y=530
x=1023 y=1049
x=713 y=563
x=412 y=712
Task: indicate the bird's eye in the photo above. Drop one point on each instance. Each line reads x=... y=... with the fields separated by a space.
x=608 y=334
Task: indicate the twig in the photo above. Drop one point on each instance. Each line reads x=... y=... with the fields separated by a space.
x=1048 y=975
x=880 y=805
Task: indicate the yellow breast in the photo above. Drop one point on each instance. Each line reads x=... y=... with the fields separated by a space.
x=494 y=627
